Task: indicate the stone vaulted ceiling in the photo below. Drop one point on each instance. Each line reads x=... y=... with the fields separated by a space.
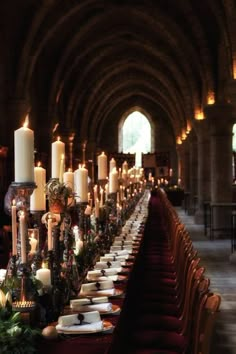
x=85 y=63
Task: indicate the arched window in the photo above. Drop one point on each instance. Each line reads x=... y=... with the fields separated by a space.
x=234 y=153
x=234 y=137
x=136 y=133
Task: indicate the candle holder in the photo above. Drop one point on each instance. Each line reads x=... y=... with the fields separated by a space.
x=36 y=223
x=25 y=301
x=21 y=192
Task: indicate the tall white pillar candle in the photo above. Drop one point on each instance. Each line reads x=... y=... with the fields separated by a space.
x=58 y=149
x=38 y=197
x=102 y=166
x=23 y=230
x=113 y=181
x=24 y=154
x=125 y=166
x=112 y=164
x=14 y=228
x=68 y=179
x=81 y=184
x=101 y=197
x=62 y=168
x=97 y=208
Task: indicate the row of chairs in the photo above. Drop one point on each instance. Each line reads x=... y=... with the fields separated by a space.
x=169 y=307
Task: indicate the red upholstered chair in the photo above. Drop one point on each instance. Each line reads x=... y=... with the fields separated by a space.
x=204 y=325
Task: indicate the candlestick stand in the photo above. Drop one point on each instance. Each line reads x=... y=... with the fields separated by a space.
x=21 y=194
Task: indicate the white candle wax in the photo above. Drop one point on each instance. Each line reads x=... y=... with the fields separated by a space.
x=44 y=275
x=38 y=197
x=88 y=210
x=81 y=184
x=112 y=164
x=125 y=166
x=113 y=181
x=62 y=168
x=50 y=243
x=14 y=229
x=101 y=197
x=22 y=222
x=58 y=149
x=68 y=179
x=24 y=155
x=102 y=166
x=97 y=208
x=95 y=192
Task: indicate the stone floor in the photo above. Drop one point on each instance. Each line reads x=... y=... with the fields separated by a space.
x=215 y=256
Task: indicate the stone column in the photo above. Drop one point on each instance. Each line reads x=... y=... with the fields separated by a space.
x=186 y=165
x=204 y=173
x=193 y=172
x=221 y=118
x=181 y=173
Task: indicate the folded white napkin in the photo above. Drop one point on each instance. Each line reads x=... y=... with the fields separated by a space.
x=88 y=301
x=121 y=248
x=84 y=328
x=124 y=238
x=105 y=265
x=109 y=257
x=124 y=243
x=79 y=319
x=104 y=272
x=104 y=307
x=97 y=286
x=102 y=278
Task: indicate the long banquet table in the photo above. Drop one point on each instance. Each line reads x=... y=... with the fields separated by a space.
x=98 y=343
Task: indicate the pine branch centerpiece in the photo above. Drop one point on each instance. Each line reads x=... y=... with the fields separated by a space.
x=58 y=194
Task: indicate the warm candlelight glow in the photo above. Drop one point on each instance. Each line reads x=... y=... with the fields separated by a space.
x=184 y=135
x=188 y=127
x=178 y=140
x=211 y=98
x=23 y=305
x=55 y=127
x=26 y=122
x=199 y=115
x=234 y=68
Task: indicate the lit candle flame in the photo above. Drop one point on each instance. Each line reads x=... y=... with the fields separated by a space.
x=39 y=164
x=13 y=202
x=58 y=138
x=26 y=122
x=55 y=127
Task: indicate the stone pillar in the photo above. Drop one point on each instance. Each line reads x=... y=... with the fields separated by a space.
x=221 y=118
x=193 y=172
x=186 y=165
x=181 y=173
x=204 y=173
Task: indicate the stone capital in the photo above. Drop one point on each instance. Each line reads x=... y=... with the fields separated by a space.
x=221 y=117
x=202 y=129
